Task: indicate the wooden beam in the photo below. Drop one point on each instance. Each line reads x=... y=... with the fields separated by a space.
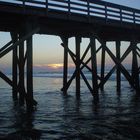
x=103 y=64
x=138 y=48
x=106 y=77
x=5 y=46
x=83 y=66
x=73 y=56
x=21 y=71
x=123 y=70
x=87 y=83
x=14 y=37
x=94 y=66
x=18 y=42
x=78 y=41
x=137 y=54
x=70 y=80
x=65 y=66
x=29 y=97
x=118 y=73
x=6 y=79
x=25 y=57
x=85 y=53
x=135 y=71
x=126 y=53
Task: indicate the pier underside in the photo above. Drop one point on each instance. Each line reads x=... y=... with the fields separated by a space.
x=21 y=47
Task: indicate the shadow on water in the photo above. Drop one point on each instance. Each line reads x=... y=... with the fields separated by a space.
x=23 y=124
x=113 y=117
x=78 y=118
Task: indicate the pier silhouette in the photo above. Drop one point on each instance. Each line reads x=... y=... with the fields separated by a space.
x=93 y=19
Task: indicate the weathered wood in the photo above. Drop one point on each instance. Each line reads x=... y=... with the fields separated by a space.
x=121 y=67
x=5 y=46
x=29 y=100
x=87 y=83
x=14 y=37
x=70 y=80
x=18 y=42
x=65 y=66
x=21 y=71
x=113 y=69
x=6 y=79
x=118 y=73
x=78 y=41
x=88 y=8
x=103 y=63
x=85 y=53
x=73 y=56
x=84 y=65
x=135 y=73
x=101 y=84
x=94 y=66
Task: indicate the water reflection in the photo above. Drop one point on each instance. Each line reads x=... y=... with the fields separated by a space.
x=58 y=117
x=23 y=123
x=113 y=117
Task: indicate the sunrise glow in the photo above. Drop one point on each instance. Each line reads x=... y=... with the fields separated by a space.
x=55 y=66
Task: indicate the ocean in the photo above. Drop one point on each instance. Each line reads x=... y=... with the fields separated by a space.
x=57 y=117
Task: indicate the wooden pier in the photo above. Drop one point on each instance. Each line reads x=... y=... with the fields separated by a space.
x=93 y=19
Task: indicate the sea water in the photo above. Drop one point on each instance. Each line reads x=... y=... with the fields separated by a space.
x=57 y=117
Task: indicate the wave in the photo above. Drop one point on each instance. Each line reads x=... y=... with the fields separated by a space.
x=60 y=75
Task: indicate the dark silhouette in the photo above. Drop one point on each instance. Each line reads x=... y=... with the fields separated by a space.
x=94 y=19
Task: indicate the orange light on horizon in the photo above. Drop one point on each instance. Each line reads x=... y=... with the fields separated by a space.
x=55 y=66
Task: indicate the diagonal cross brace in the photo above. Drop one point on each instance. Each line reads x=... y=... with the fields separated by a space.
x=113 y=69
x=84 y=64
x=7 y=50
x=5 y=46
x=5 y=78
x=122 y=68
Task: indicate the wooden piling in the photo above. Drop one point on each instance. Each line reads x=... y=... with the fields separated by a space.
x=103 y=63
x=135 y=71
x=21 y=71
x=118 y=73
x=65 y=67
x=94 y=66
x=29 y=97
x=78 y=41
x=14 y=37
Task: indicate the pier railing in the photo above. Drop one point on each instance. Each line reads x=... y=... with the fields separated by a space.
x=89 y=8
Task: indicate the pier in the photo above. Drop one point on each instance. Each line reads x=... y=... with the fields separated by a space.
x=93 y=19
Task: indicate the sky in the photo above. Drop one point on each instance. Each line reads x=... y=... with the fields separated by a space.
x=129 y=3
x=47 y=51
